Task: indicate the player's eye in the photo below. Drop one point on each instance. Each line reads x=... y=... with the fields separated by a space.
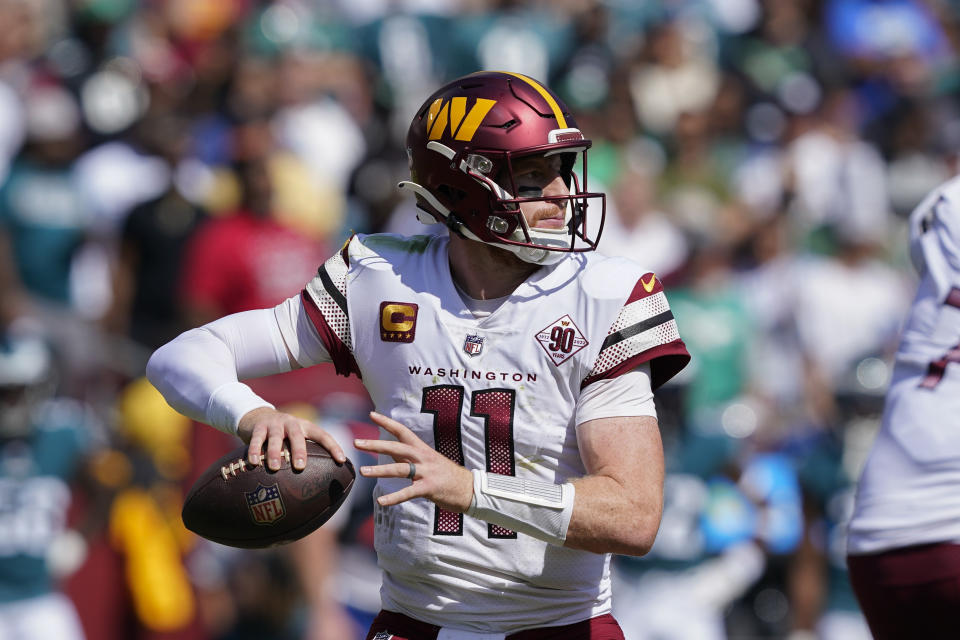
x=524 y=172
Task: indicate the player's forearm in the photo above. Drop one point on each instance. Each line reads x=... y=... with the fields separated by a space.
x=620 y=499
x=198 y=373
x=609 y=517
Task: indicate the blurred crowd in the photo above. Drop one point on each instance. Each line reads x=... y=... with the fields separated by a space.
x=166 y=162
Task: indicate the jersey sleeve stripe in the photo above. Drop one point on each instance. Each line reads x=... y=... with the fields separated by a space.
x=636 y=329
x=639 y=342
x=331 y=289
x=325 y=299
x=666 y=360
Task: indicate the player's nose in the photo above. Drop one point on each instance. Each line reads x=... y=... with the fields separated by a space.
x=556 y=187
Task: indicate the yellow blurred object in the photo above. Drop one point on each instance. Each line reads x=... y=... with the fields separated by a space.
x=200 y=19
x=148 y=422
x=301 y=202
x=158 y=582
x=173 y=462
x=223 y=196
x=301 y=410
x=111 y=468
x=170 y=499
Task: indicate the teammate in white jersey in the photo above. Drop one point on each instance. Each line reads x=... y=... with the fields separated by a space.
x=512 y=373
x=904 y=537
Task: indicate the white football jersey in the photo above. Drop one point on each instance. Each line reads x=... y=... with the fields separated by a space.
x=498 y=393
x=908 y=493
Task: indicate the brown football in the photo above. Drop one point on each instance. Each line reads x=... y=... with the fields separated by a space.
x=243 y=505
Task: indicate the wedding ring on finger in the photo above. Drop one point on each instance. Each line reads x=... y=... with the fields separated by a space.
x=412 y=472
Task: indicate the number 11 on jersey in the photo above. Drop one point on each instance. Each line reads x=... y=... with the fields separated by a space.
x=495 y=407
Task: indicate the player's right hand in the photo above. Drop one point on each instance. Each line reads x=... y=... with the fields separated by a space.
x=271 y=427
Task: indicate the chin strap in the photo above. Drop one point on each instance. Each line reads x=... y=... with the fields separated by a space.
x=455 y=225
x=532 y=255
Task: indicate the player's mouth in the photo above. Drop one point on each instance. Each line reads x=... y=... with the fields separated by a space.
x=550 y=221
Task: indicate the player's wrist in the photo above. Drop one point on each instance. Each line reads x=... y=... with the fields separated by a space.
x=465 y=497
x=537 y=508
x=250 y=420
x=458 y=494
x=230 y=403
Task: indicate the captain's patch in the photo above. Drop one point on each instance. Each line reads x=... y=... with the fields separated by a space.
x=398 y=321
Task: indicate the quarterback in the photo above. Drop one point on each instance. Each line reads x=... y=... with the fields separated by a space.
x=512 y=371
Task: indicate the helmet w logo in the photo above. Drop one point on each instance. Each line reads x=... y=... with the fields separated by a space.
x=453 y=113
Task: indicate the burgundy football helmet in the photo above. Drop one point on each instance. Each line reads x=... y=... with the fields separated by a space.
x=462 y=144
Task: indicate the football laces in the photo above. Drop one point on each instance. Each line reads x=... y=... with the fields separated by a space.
x=230 y=470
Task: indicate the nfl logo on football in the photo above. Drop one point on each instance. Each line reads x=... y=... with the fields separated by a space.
x=265 y=504
x=473 y=345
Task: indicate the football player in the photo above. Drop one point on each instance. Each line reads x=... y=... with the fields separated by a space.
x=41 y=448
x=512 y=371
x=904 y=536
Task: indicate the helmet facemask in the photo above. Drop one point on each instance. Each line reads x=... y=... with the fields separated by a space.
x=538 y=243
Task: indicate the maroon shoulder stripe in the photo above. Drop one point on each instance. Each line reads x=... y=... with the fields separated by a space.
x=343 y=360
x=666 y=360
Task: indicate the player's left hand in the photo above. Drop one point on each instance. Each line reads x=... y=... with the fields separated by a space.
x=437 y=478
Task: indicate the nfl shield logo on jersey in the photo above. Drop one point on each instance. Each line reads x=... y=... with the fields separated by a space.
x=473 y=345
x=265 y=504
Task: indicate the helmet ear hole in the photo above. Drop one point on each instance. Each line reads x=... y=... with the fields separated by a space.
x=451 y=194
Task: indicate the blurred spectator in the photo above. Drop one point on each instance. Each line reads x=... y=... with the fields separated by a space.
x=46 y=221
x=835 y=176
x=584 y=78
x=11 y=294
x=324 y=103
x=718 y=332
x=768 y=284
x=246 y=259
x=635 y=228
x=152 y=242
x=849 y=306
x=527 y=38
x=42 y=443
x=134 y=583
x=673 y=76
x=12 y=126
x=41 y=206
x=918 y=152
x=896 y=34
x=696 y=183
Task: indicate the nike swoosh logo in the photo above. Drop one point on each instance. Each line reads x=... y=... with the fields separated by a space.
x=648 y=286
